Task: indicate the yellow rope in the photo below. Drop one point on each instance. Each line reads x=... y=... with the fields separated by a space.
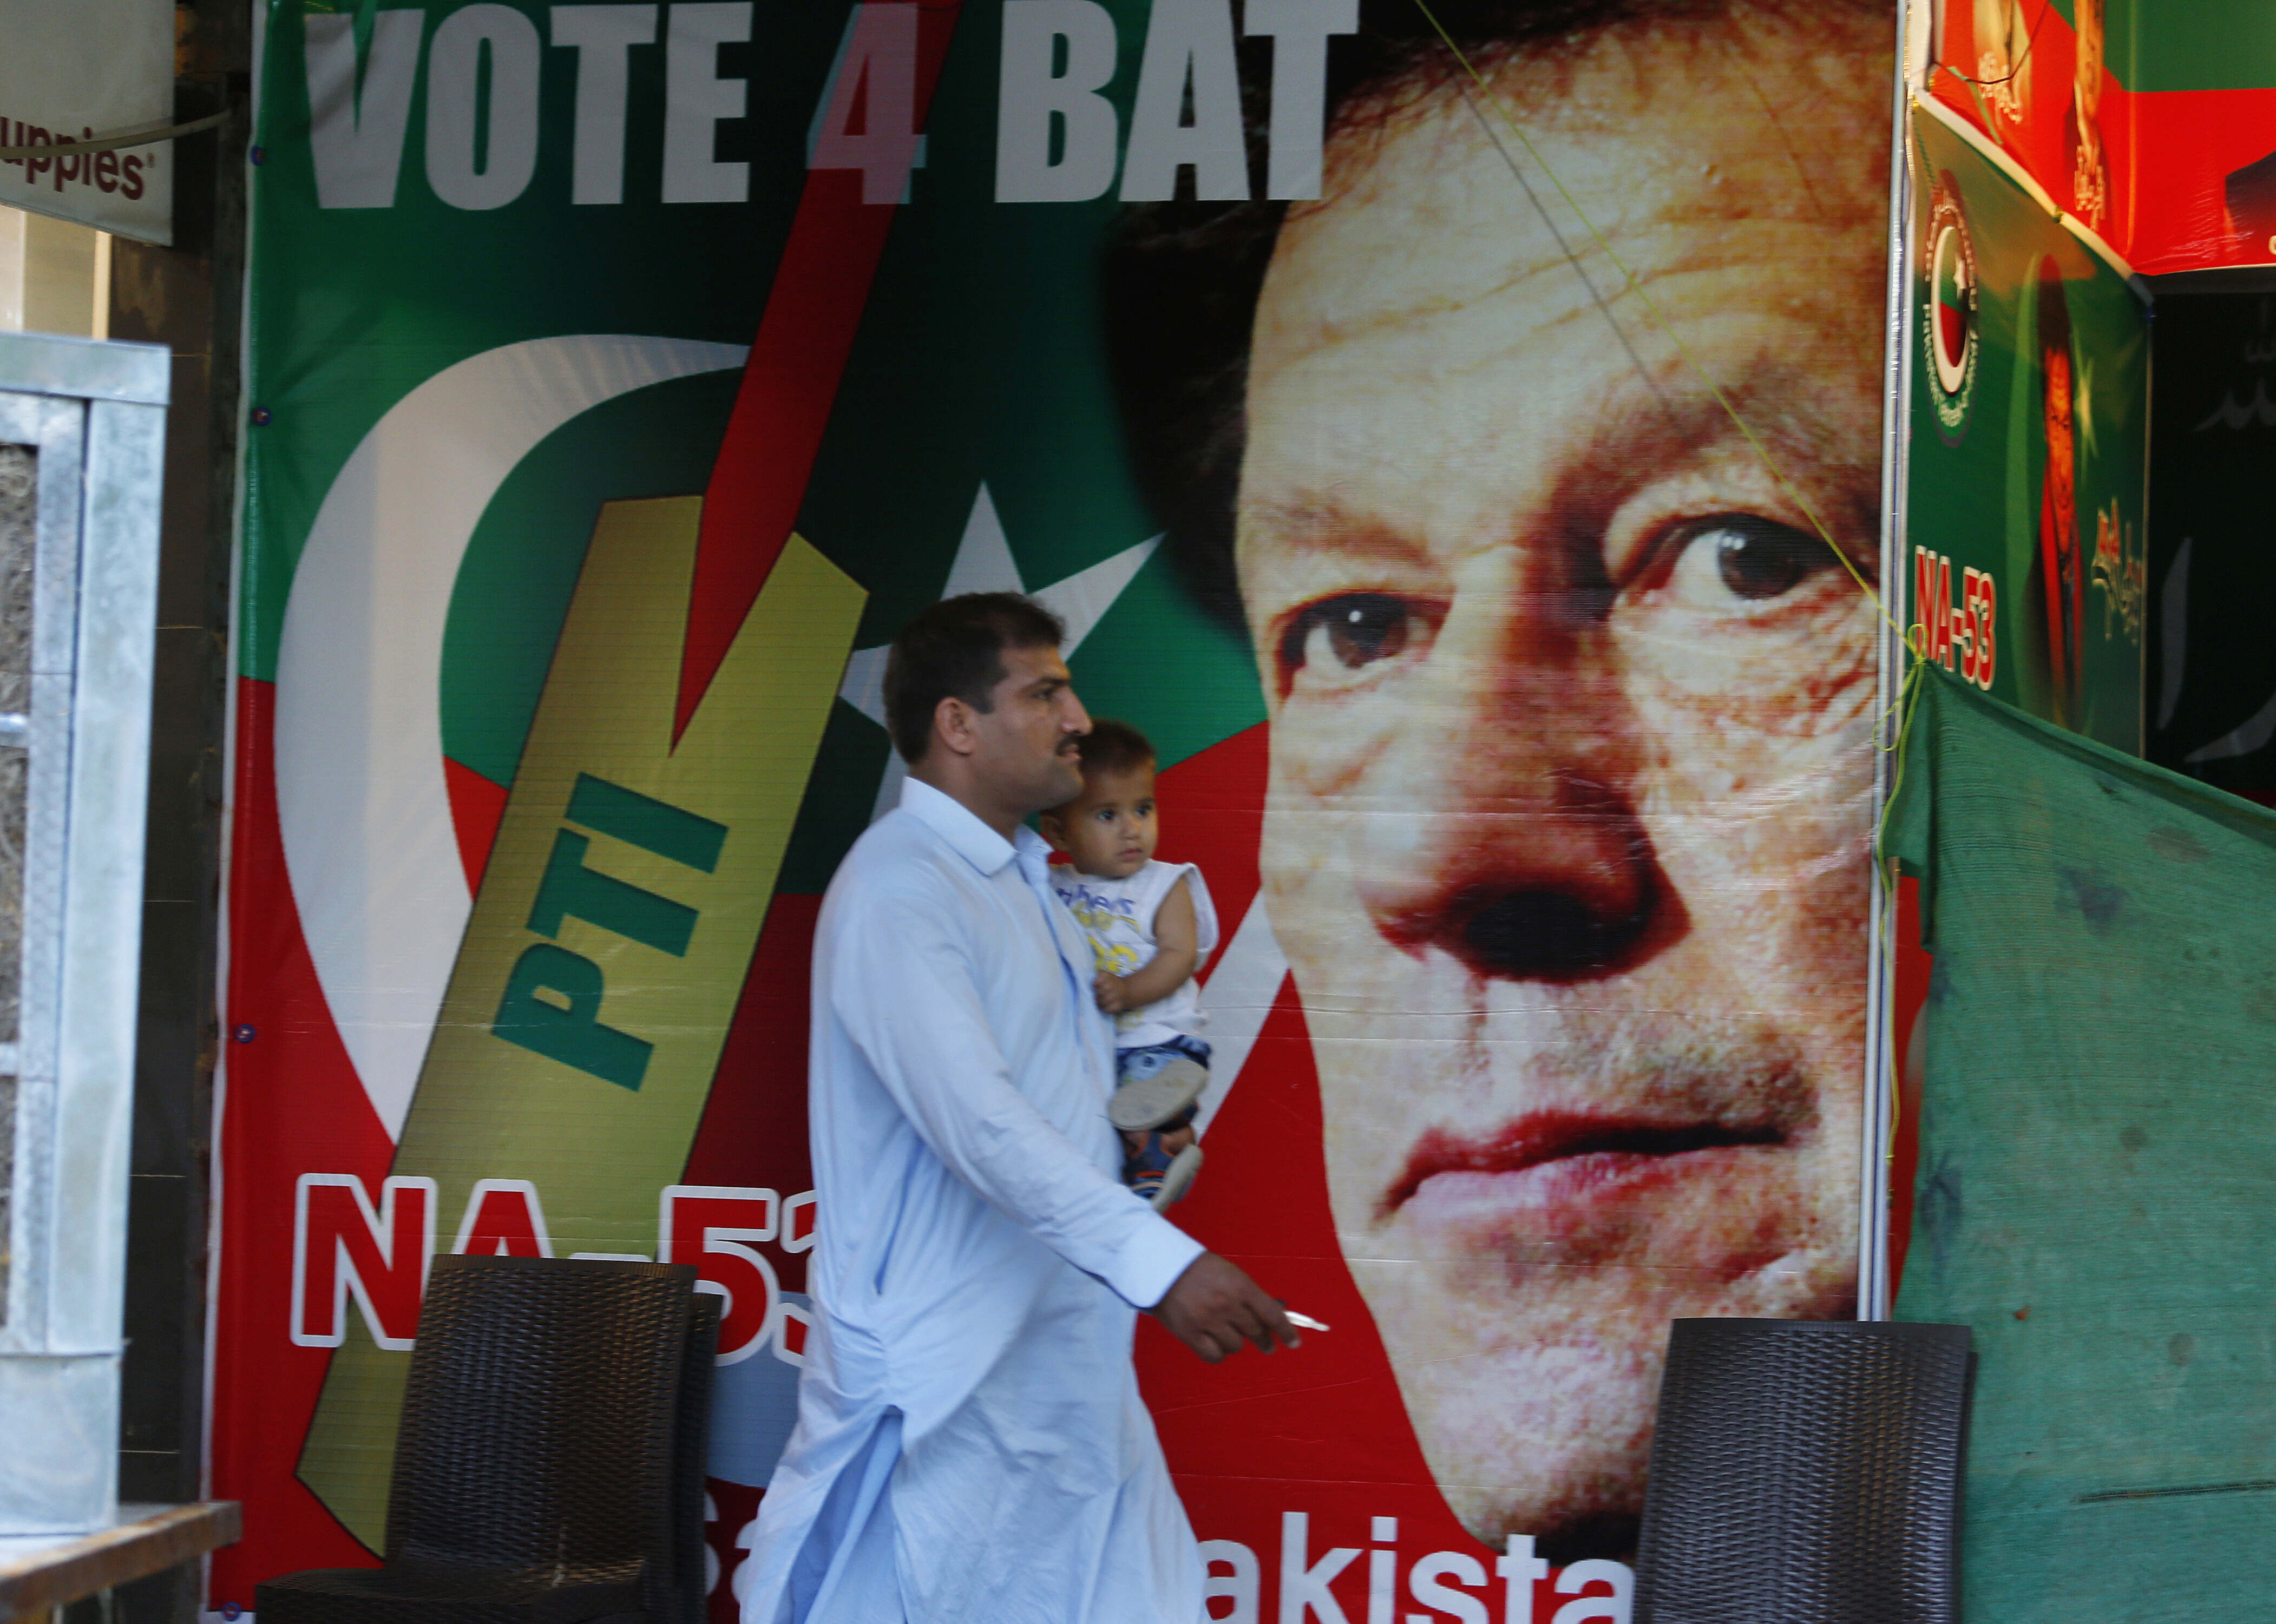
x=1908 y=707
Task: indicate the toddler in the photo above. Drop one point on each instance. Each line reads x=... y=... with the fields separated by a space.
x=1151 y=925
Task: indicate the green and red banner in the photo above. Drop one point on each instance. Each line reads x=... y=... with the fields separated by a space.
x=2024 y=532
x=2153 y=127
x=1471 y=484
x=2028 y=446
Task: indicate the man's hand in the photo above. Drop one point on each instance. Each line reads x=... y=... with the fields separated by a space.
x=1213 y=1307
x=1113 y=995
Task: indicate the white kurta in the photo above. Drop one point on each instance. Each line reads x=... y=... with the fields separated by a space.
x=970 y=1441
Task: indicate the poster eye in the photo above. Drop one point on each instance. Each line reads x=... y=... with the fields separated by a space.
x=1744 y=556
x=1346 y=634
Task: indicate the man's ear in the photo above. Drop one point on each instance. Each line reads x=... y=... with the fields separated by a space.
x=951 y=725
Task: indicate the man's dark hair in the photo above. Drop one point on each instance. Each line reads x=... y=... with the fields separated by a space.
x=1181 y=279
x=1113 y=747
x=955 y=650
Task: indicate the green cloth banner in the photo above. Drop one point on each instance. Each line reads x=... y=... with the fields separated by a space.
x=2097 y=1192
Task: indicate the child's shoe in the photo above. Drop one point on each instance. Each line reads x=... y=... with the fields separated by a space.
x=1155 y=1085
x=1161 y=1177
x=1158 y=1090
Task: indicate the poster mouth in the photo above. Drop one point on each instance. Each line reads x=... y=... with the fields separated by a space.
x=1564 y=1164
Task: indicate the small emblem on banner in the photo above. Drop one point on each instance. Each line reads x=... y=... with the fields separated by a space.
x=1950 y=327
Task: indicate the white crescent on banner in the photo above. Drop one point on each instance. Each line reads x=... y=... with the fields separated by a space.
x=366 y=813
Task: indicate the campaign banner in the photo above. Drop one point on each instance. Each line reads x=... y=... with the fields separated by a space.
x=2047 y=86
x=2028 y=447
x=2026 y=480
x=2148 y=124
x=1462 y=461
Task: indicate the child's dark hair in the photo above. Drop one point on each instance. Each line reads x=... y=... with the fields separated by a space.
x=1113 y=747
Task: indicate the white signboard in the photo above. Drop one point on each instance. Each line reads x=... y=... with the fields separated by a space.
x=78 y=70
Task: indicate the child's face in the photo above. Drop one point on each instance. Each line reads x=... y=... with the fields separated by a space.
x=1109 y=829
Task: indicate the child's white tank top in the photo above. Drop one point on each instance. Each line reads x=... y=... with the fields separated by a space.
x=1118 y=917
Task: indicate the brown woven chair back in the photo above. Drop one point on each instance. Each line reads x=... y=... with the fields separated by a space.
x=538 y=1431
x=691 y=1449
x=1805 y=1473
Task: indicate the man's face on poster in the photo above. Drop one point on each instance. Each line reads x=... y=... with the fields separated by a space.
x=2061 y=454
x=1572 y=720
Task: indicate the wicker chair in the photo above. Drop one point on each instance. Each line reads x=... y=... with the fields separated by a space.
x=540 y=1471
x=691 y=1451
x=1805 y=1471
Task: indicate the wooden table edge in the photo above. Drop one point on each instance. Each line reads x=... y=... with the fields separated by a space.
x=144 y=1540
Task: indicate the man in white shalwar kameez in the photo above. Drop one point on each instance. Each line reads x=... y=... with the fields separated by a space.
x=971 y=1445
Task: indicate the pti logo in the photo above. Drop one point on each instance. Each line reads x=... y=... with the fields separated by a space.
x=1951 y=328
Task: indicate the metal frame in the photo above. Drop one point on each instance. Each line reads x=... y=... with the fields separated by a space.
x=1875 y=1298
x=96 y=414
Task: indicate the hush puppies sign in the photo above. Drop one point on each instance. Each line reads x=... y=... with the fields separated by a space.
x=1368 y=405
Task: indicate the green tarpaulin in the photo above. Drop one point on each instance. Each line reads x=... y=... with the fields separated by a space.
x=2097 y=1187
